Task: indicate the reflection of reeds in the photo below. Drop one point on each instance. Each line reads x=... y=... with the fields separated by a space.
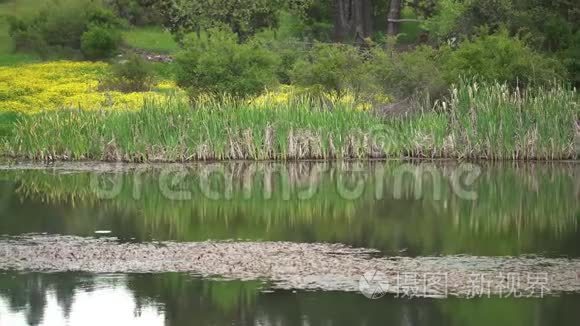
x=268 y=200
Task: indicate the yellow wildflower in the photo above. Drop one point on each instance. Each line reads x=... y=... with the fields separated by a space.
x=65 y=84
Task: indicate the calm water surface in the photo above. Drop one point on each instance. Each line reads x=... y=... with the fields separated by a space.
x=398 y=208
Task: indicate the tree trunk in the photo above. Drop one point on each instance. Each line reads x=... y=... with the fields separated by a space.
x=368 y=17
x=352 y=20
x=340 y=20
x=393 y=17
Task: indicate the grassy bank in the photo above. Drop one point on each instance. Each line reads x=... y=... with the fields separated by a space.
x=478 y=121
x=153 y=39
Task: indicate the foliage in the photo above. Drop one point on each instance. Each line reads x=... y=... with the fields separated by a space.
x=288 y=54
x=547 y=26
x=137 y=12
x=534 y=17
x=409 y=32
x=214 y=62
x=6 y=44
x=570 y=57
x=49 y=86
x=367 y=74
x=100 y=42
x=315 y=20
x=334 y=67
x=57 y=29
x=244 y=17
x=501 y=58
x=288 y=49
x=131 y=75
x=408 y=73
x=441 y=25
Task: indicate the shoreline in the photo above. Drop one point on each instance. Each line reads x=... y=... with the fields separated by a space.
x=10 y=163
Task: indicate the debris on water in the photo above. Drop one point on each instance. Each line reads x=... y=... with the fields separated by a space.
x=285 y=265
x=103 y=232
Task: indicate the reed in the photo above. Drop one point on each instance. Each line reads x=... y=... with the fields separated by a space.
x=488 y=121
x=493 y=122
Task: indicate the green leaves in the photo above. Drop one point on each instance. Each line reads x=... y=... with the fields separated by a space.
x=499 y=57
x=244 y=17
x=214 y=62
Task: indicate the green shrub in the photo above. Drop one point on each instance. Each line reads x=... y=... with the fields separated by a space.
x=137 y=12
x=408 y=73
x=444 y=22
x=100 y=42
x=288 y=49
x=132 y=75
x=334 y=67
x=289 y=54
x=214 y=62
x=571 y=58
x=499 y=57
x=59 y=27
x=26 y=36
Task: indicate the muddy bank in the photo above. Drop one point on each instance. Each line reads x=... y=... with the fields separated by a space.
x=295 y=265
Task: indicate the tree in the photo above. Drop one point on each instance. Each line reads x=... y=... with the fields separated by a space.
x=243 y=17
x=352 y=20
x=393 y=17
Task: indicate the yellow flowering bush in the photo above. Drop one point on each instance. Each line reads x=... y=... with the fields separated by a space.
x=286 y=93
x=45 y=86
x=65 y=84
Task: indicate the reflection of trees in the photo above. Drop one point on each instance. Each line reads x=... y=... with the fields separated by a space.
x=206 y=302
x=29 y=292
x=520 y=207
x=186 y=300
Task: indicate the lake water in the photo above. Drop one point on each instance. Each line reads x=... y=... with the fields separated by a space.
x=398 y=208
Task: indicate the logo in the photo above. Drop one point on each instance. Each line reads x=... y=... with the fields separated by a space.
x=373 y=285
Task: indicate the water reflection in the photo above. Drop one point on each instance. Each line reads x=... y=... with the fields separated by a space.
x=520 y=208
x=178 y=299
x=70 y=299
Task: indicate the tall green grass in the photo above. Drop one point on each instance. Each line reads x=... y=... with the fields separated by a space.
x=493 y=122
x=174 y=130
x=486 y=121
